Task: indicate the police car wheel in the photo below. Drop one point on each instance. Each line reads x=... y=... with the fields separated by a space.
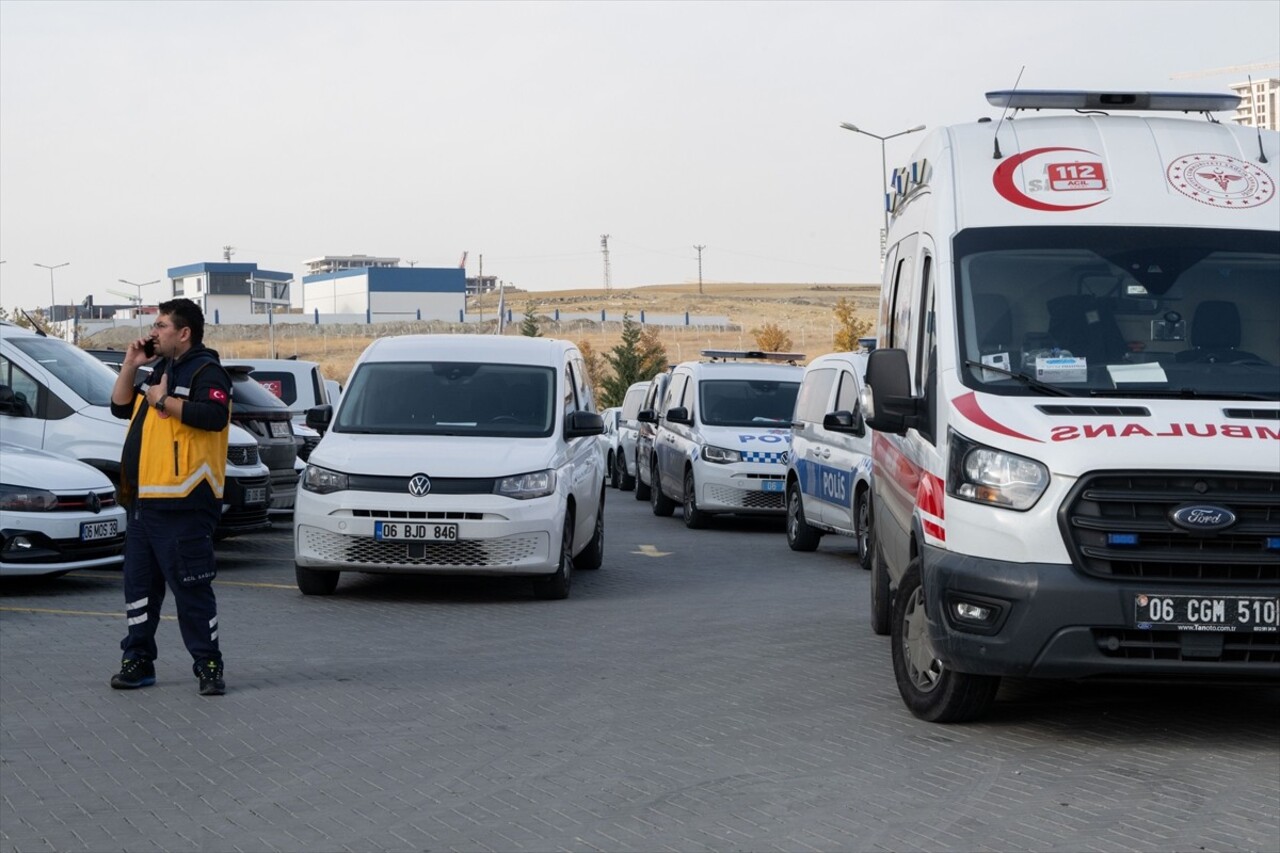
x=800 y=536
x=642 y=488
x=624 y=480
x=313 y=582
x=862 y=520
x=661 y=505
x=694 y=518
x=555 y=587
x=930 y=690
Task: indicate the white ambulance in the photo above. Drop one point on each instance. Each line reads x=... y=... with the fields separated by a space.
x=1077 y=401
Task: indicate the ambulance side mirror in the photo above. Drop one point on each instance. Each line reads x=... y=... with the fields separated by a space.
x=887 y=401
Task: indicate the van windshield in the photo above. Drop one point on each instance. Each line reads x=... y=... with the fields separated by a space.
x=746 y=402
x=449 y=398
x=88 y=377
x=1120 y=312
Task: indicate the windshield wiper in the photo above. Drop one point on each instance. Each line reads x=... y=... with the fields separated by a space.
x=1030 y=382
x=1179 y=394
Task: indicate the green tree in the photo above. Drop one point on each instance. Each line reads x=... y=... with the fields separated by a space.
x=529 y=325
x=849 y=327
x=638 y=357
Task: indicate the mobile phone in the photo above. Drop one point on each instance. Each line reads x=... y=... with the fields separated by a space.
x=149 y=347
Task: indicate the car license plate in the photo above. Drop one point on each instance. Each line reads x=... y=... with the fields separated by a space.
x=1208 y=612
x=770 y=485
x=91 y=530
x=281 y=429
x=413 y=531
x=255 y=495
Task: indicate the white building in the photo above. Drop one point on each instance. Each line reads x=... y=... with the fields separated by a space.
x=337 y=263
x=388 y=292
x=231 y=292
x=1258 y=103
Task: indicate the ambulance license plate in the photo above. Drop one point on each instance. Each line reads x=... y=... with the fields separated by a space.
x=1207 y=612
x=91 y=530
x=770 y=485
x=413 y=531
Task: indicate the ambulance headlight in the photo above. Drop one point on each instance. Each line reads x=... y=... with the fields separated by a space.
x=988 y=476
x=720 y=455
x=322 y=481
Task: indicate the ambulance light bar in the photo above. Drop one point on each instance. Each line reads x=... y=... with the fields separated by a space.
x=766 y=356
x=1070 y=99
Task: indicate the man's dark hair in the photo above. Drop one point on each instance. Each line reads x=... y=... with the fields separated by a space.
x=186 y=315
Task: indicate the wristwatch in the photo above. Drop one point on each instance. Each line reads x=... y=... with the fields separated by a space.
x=159 y=404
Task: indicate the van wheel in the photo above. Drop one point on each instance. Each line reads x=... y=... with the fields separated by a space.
x=611 y=466
x=800 y=536
x=555 y=587
x=662 y=505
x=642 y=488
x=862 y=527
x=881 y=599
x=313 y=582
x=621 y=478
x=931 y=691
x=694 y=518
x=593 y=555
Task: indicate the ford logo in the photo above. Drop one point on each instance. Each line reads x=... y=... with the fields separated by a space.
x=1202 y=517
x=420 y=487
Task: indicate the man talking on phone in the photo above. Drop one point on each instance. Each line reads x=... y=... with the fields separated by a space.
x=172 y=471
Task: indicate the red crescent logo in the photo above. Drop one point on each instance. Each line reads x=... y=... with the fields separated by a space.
x=968 y=406
x=1002 y=179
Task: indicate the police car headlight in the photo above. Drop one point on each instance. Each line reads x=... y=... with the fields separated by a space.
x=322 y=481
x=524 y=487
x=988 y=476
x=720 y=455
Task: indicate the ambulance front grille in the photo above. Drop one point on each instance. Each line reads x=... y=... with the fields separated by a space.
x=358 y=551
x=1118 y=525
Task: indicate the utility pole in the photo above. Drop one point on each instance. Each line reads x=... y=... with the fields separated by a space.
x=699 y=248
x=608 y=276
x=52 y=299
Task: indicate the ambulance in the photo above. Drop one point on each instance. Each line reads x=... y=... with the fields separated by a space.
x=1076 y=400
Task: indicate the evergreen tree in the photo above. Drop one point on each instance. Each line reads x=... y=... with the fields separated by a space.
x=529 y=325
x=638 y=357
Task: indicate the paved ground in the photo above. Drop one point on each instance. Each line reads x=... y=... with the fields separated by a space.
x=712 y=691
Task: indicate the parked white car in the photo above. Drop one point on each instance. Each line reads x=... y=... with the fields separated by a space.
x=456 y=454
x=829 y=474
x=610 y=440
x=56 y=515
x=624 y=466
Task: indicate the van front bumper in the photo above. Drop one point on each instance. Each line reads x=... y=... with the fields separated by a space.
x=1052 y=621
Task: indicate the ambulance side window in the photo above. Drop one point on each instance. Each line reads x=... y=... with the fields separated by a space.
x=927 y=351
x=884 y=321
x=900 y=312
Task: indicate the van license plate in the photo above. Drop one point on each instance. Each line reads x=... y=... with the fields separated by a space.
x=412 y=531
x=255 y=495
x=770 y=485
x=91 y=530
x=281 y=429
x=1208 y=612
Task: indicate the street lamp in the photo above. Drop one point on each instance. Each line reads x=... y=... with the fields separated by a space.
x=52 y=299
x=884 y=172
x=137 y=308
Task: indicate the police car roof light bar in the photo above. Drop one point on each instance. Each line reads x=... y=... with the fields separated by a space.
x=790 y=357
x=1074 y=99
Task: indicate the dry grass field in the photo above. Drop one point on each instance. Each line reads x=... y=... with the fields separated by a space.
x=804 y=311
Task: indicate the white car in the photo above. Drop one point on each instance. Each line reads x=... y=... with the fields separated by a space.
x=829 y=474
x=56 y=514
x=624 y=463
x=724 y=436
x=610 y=441
x=456 y=454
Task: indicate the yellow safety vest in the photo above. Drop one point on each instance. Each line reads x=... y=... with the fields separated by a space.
x=175 y=458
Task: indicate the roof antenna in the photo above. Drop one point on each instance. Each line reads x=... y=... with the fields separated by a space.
x=997 y=155
x=1262 y=156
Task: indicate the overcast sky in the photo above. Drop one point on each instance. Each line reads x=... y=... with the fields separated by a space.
x=135 y=137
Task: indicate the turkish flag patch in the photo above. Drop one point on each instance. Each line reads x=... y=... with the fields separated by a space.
x=218 y=394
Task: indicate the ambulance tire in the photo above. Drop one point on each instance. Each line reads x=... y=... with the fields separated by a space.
x=881 y=597
x=642 y=488
x=862 y=524
x=555 y=586
x=694 y=518
x=593 y=555
x=931 y=691
x=661 y=505
x=315 y=582
x=800 y=536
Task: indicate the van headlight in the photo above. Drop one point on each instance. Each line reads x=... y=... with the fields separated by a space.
x=988 y=476
x=720 y=455
x=322 y=481
x=523 y=487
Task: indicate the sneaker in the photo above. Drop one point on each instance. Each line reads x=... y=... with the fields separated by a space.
x=210 y=674
x=134 y=674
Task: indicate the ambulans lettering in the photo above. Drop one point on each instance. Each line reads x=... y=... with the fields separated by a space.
x=1182 y=430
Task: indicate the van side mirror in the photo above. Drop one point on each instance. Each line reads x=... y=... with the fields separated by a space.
x=892 y=407
x=578 y=424
x=647 y=416
x=679 y=415
x=846 y=422
x=319 y=417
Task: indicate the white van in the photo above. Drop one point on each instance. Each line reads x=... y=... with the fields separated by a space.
x=723 y=435
x=1077 y=453
x=456 y=454
x=624 y=474
x=829 y=470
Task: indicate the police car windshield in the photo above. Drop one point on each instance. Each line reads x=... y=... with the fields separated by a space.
x=449 y=398
x=89 y=378
x=746 y=402
x=1107 y=311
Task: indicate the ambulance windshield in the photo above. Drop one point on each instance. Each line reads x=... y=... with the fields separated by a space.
x=1110 y=311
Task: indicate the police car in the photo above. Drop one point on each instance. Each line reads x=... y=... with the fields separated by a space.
x=723 y=435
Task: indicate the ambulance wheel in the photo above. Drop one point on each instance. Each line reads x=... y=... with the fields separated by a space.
x=662 y=505
x=642 y=488
x=881 y=599
x=862 y=522
x=621 y=479
x=694 y=518
x=593 y=555
x=930 y=690
x=555 y=586
x=800 y=536
x=313 y=582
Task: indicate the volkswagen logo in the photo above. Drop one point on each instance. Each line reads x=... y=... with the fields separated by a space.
x=419 y=485
x=1202 y=518
x=93 y=503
